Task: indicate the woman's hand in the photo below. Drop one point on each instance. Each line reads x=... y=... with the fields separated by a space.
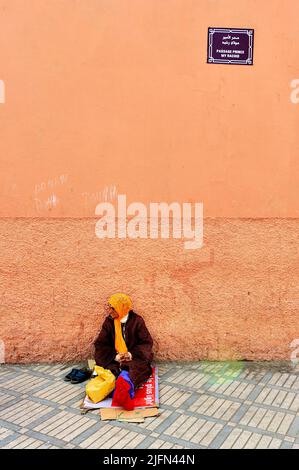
x=123 y=357
x=118 y=358
x=126 y=357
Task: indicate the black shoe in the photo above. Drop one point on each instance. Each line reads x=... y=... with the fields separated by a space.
x=69 y=376
x=81 y=375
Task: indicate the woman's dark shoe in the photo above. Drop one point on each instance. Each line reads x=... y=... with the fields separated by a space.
x=69 y=376
x=81 y=375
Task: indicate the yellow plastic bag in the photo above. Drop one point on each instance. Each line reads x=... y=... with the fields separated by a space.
x=101 y=386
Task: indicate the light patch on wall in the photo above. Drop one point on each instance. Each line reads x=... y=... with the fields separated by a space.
x=295 y=93
x=295 y=353
x=2 y=352
x=2 y=91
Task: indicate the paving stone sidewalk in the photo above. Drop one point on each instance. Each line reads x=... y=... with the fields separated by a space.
x=203 y=405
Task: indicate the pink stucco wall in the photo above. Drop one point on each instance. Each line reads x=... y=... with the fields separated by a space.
x=236 y=298
x=107 y=97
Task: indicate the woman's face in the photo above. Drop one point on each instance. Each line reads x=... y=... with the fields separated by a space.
x=110 y=311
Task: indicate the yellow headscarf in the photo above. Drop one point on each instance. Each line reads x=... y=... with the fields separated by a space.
x=122 y=304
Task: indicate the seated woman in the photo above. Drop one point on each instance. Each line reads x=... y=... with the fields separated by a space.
x=124 y=346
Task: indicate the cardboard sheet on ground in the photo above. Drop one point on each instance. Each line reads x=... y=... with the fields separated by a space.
x=134 y=416
x=146 y=396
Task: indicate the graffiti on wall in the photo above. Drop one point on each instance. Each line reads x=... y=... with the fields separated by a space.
x=45 y=197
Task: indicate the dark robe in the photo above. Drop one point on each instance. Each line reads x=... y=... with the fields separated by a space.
x=139 y=343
